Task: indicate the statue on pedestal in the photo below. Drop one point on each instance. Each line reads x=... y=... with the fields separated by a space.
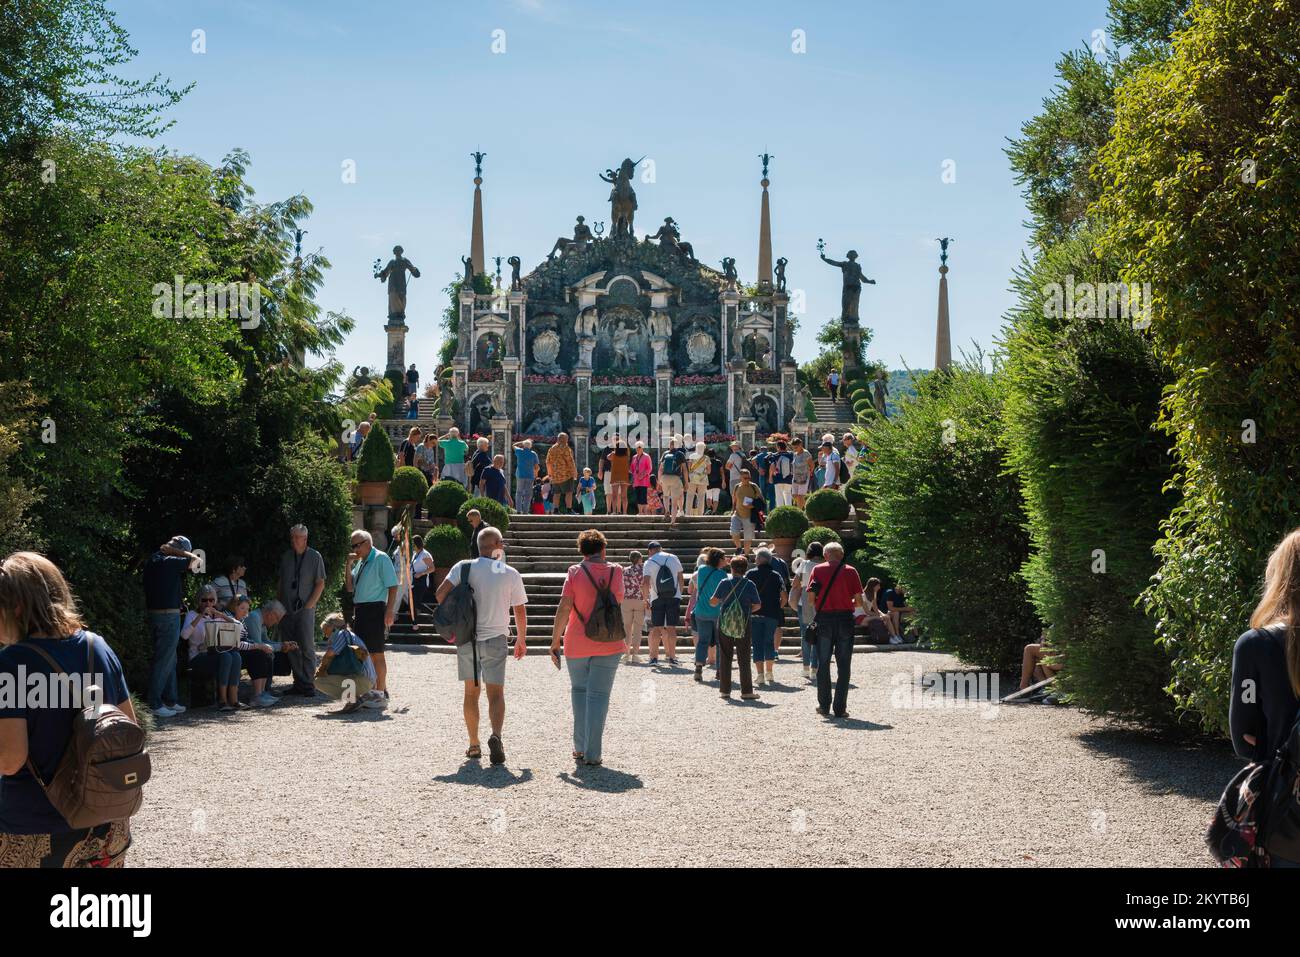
x=514 y=271
x=467 y=264
x=880 y=389
x=853 y=280
x=780 y=273
x=671 y=238
x=585 y=327
x=395 y=275
x=581 y=238
x=622 y=198
x=729 y=270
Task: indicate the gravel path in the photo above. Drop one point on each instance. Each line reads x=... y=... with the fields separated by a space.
x=689 y=780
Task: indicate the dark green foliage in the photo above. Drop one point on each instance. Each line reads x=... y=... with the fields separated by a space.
x=786 y=521
x=375 y=460
x=855 y=490
x=867 y=562
x=948 y=520
x=816 y=534
x=492 y=512
x=408 y=485
x=1201 y=188
x=1081 y=400
x=445 y=498
x=827 y=505
x=447 y=545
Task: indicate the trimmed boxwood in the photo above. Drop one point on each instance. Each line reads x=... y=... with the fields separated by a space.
x=817 y=534
x=408 y=485
x=855 y=490
x=447 y=545
x=786 y=521
x=445 y=498
x=493 y=512
x=375 y=463
x=827 y=505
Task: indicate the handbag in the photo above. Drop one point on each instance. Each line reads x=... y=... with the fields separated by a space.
x=811 y=630
x=220 y=635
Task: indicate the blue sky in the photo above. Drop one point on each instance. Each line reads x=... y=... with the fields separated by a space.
x=859 y=126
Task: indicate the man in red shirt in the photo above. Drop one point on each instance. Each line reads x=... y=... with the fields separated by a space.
x=836 y=589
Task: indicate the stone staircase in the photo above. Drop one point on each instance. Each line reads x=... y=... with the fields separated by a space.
x=833 y=415
x=542 y=547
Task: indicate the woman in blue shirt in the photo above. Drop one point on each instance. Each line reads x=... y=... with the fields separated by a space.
x=37 y=610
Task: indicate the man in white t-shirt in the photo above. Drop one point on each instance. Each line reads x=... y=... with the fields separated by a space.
x=665 y=607
x=498 y=589
x=849 y=452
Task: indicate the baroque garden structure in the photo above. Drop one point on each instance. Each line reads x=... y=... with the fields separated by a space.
x=611 y=332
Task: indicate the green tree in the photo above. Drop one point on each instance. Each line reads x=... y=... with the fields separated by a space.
x=948 y=520
x=1201 y=187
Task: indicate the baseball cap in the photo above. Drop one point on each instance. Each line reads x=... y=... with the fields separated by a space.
x=653 y=545
x=181 y=542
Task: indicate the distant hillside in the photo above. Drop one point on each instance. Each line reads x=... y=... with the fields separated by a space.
x=900 y=387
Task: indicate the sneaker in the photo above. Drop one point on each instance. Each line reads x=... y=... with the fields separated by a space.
x=165 y=712
x=266 y=700
x=256 y=702
x=895 y=639
x=178 y=708
x=349 y=708
x=699 y=672
x=374 y=701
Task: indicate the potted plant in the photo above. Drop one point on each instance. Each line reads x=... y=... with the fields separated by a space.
x=408 y=487
x=817 y=534
x=375 y=467
x=784 y=526
x=492 y=512
x=447 y=545
x=827 y=507
x=443 y=501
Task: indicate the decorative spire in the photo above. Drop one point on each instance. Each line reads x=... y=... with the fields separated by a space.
x=765 y=234
x=476 y=235
x=943 y=333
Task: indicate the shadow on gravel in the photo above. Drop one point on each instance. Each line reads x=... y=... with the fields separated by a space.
x=1193 y=767
x=601 y=779
x=493 y=777
x=365 y=714
x=857 y=724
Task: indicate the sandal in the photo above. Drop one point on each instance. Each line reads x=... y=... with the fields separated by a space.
x=474 y=752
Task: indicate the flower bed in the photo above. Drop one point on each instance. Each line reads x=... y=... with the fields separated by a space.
x=683 y=380
x=631 y=380
x=485 y=375
x=549 y=379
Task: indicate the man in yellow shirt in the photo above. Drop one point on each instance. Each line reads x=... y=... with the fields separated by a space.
x=562 y=471
x=743 y=499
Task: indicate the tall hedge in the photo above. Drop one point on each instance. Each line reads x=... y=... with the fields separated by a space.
x=949 y=521
x=1081 y=402
x=1201 y=190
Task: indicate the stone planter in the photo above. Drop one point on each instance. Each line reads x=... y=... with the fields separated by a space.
x=374 y=493
x=784 y=548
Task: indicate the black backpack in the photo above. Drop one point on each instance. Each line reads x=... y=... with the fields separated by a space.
x=606 y=620
x=665 y=582
x=457 y=615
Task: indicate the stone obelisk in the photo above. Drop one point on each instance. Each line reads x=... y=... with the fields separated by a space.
x=765 y=235
x=943 y=333
x=476 y=236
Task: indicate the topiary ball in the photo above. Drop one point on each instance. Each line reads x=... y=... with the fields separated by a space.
x=817 y=534
x=827 y=505
x=492 y=511
x=447 y=545
x=408 y=485
x=445 y=498
x=786 y=521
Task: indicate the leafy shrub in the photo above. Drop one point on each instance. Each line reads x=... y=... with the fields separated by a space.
x=445 y=498
x=493 y=512
x=948 y=519
x=827 y=505
x=855 y=490
x=447 y=544
x=817 y=534
x=375 y=461
x=786 y=521
x=867 y=562
x=1082 y=394
x=1214 y=244
x=408 y=485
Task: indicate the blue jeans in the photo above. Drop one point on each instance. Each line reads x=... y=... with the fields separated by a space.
x=809 y=649
x=166 y=629
x=225 y=666
x=762 y=633
x=590 y=681
x=834 y=637
x=707 y=628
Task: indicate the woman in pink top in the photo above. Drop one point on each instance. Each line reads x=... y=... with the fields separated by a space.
x=641 y=466
x=592 y=664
